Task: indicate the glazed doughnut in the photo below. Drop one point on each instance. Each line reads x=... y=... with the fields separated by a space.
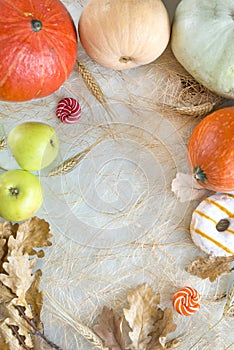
x=212 y=225
x=186 y=301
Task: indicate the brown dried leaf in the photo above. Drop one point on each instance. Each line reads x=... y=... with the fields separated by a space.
x=211 y=267
x=5 y=294
x=4 y=312
x=110 y=329
x=19 y=272
x=163 y=327
x=142 y=314
x=3 y=344
x=2 y=248
x=20 y=298
x=40 y=344
x=31 y=234
x=229 y=306
x=34 y=298
x=17 y=337
x=14 y=328
x=148 y=322
x=172 y=344
x=40 y=253
x=7 y=229
x=18 y=275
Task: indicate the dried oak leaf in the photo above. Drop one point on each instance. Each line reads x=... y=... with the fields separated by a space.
x=14 y=329
x=2 y=248
x=7 y=229
x=18 y=276
x=4 y=312
x=110 y=329
x=34 y=298
x=3 y=344
x=211 y=267
x=172 y=344
x=163 y=327
x=149 y=323
x=141 y=315
x=33 y=233
x=5 y=294
x=229 y=306
x=16 y=336
x=40 y=344
x=21 y=300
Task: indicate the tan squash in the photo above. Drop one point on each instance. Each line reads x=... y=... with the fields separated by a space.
x=122 y=34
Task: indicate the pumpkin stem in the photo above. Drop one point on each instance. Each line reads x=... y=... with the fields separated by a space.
x=199 y=174
x=125 y=59
x=36 y=25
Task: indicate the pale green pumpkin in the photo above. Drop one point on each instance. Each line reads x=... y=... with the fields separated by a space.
x=203 y=42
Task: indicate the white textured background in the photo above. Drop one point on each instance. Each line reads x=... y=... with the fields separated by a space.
x=115 y=221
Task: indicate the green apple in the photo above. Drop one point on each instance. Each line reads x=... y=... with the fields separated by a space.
x=21 y=195
x=34 y=145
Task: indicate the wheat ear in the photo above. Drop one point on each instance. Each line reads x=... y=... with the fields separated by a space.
x=71 y=163
x=229 y=306
x=96 y=91
x=91 y=83
x=82 y=329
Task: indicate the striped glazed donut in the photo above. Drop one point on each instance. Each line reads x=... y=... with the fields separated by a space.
x=68 y=110
x=212 y=225
x=186 y=301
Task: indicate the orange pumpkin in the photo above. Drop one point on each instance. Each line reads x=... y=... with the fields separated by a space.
x=211 y=151
x=38 y=48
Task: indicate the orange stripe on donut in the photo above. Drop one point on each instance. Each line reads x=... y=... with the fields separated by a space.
x=229 y=195
x=225 y=210
x=205 y=216
x=220 y=245
x=209 y=218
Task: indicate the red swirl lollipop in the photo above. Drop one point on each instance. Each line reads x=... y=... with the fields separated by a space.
x=186 y=301
x=68 y=110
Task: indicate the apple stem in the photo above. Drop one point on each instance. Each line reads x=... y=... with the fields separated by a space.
x=14 y=191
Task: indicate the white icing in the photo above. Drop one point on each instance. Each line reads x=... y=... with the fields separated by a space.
x=225 y=238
